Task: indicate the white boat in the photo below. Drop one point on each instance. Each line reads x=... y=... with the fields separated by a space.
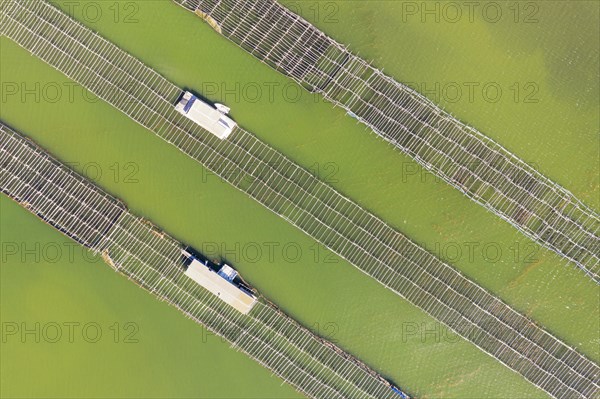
x=221 y=280
x=208 y=117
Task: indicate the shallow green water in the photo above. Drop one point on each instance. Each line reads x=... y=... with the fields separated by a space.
x=100 y=335
x=325 y=293
x=541 y=55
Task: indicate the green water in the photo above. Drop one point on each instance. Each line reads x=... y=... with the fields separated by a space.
x=159 y=355
x=316 y=288
x=542 y=55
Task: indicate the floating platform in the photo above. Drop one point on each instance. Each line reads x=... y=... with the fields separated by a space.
x=205 y=115
x=221 y=280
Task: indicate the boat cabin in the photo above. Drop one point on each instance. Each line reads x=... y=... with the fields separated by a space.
x=221 y=280
x=213 y=119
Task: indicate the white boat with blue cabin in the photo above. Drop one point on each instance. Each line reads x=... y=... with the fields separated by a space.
x=213 y=119
x=220 y=279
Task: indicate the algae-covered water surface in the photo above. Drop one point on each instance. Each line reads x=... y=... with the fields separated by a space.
x=148 y=349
